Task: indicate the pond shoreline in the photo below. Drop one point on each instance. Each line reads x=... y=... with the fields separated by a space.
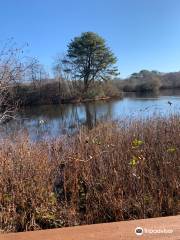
x=65 y=117
x=57 y=100
x=67 y=101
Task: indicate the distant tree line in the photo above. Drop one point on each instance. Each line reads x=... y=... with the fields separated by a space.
x=145 y=81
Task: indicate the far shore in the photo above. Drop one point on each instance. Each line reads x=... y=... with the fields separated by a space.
x=57 y=100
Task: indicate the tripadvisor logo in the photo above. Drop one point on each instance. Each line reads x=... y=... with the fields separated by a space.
x=139 y=231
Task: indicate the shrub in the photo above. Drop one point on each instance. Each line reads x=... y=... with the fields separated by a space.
x=116 y=171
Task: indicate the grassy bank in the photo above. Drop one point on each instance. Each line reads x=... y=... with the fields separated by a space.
x=116 y=171
x=51 y=92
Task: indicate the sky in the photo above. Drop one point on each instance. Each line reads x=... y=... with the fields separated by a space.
x=143 y=34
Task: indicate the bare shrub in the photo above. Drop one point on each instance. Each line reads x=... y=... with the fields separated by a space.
x=12 y=69
x=116 y=171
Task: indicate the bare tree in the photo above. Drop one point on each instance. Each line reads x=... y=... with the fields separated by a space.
x=62 y=77
x=12 y=69
x=36 y=73
x=67 y=85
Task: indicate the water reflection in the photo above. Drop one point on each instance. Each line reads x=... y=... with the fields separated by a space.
x=52 y=121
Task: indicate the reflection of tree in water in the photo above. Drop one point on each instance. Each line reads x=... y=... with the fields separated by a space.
x=88 y=114
x=90 y=117
x=74 y=119
x=96 y=112
x=49 y=112
x=134 y=95
x=153 y=94
x=52 y=121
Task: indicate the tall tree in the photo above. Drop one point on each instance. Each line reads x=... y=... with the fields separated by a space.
x=89 y=59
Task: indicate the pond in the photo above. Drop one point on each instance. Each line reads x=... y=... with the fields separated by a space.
x=54 y=120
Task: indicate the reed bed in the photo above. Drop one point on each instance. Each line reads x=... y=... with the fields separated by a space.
x=115 y=171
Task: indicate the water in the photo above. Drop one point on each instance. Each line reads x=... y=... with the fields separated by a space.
x=52 y=121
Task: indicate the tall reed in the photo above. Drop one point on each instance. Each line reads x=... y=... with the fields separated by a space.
x=116 y=171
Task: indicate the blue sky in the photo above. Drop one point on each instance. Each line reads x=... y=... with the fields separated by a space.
x=143 y=34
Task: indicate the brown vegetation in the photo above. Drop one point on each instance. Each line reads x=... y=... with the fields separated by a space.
x=63 y=90
x=60 y=91
x=12 y=72
x=116 y=171
x=151 y=81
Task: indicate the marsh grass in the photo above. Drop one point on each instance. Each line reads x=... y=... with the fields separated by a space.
x=115 y=171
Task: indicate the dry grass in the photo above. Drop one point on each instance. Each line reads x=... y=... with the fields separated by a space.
x=116 y=171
